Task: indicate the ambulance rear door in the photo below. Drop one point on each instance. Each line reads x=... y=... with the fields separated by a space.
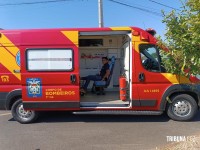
x=50 y=74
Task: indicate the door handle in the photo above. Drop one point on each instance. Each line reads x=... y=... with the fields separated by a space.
x=141 y=77
x=73 y=78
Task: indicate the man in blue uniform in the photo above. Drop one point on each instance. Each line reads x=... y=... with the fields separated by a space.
x=103 y=76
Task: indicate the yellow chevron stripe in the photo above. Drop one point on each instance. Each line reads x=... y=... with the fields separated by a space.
x=9 y=62
x=176 y=79
x=72 y=36
x=7 y=59
x=8 y=44
x=121 y=28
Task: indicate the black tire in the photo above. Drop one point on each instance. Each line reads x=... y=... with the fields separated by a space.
x=22 y=116
x=182 y=108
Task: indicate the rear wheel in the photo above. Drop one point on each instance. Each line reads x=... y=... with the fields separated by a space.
x=21 y=115
x=182 y=108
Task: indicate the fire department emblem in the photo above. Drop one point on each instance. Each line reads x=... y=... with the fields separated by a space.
x=34 y=87
x=18 y=58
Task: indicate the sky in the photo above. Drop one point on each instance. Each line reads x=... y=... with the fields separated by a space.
x=84 y=13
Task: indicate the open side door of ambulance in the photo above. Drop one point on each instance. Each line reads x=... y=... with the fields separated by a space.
x=50 y=72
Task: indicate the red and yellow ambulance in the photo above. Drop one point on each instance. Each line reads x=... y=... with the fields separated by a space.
x=41 y=70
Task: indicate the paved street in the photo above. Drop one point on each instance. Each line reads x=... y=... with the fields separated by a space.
x=61 y=130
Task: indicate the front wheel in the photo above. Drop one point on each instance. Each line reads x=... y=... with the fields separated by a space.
x=182 y=108
x=21 y=115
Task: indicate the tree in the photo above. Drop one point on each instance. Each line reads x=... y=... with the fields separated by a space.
x=182 y=38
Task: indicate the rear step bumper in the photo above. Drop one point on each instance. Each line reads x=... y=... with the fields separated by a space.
x=101 y=112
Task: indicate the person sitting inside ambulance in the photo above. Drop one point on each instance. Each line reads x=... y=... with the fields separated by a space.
x=103 y=76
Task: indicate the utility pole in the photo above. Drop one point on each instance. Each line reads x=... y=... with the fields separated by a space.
x=100 y=8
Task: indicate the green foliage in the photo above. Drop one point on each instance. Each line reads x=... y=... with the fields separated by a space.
x=182 y=38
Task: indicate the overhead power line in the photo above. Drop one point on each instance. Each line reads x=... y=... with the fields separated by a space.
x=31 y=3
x=138 y=8
x=164 y=5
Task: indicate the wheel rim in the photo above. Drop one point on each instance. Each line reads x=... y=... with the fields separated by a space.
x=24 y=114
x=182 y=108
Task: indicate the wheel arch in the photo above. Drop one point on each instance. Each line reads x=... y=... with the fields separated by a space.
x=12 y=97
x=177 y=90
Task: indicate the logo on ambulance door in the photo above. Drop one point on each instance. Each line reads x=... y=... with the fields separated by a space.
x=18 y=58
x=34 y=87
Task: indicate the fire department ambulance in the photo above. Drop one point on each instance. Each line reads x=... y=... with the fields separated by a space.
x=41 y=70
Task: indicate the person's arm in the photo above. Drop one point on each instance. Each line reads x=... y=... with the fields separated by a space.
x=106 y=75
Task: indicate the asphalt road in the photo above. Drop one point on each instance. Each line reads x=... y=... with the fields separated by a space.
x=63 y=131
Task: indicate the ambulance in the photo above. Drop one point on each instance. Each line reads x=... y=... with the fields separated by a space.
x=41 y=70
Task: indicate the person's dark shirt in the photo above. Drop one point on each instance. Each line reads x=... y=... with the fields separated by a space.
x=103 y=69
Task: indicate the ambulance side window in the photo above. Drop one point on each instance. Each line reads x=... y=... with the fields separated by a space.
x=49 y=59
x=150 y=57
